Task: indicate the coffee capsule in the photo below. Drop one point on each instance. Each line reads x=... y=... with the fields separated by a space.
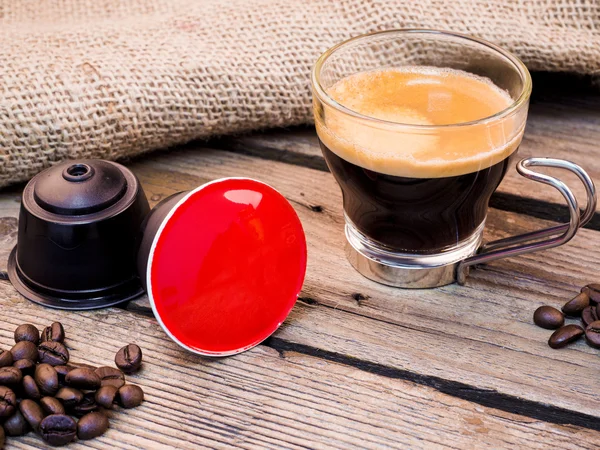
x=79 y=226
x=222 y=264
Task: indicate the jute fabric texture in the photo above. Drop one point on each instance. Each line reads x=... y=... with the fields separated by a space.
x=111 y=79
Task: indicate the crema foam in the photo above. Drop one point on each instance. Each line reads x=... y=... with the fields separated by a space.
x=420 y=122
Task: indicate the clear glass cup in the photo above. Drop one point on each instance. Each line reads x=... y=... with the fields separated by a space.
x=426 y=210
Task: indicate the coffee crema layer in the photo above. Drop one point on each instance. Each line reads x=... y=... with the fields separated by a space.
x=424 y=128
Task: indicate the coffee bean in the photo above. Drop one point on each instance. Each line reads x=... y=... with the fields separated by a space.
x=32 y=412
x=105 y=396
x=8 y=402
x=46 y=379
x=109 y=376
x=81 y=389
x=592 y=291
x=69 y=396
x=575 y=306
x=30 y=388
x=53 y=353
x=548 y=317
x=50 y=405
x=129 y=358
x=16 y=425
x=26 y=366
x=58 y=429
x=24 y=350
x=130 y=396
x=6 y=358
x=27 y=332
x=10 y=376
x=92 y=425
x=592 y=334
x=54 y=333
x=62 y=372
x=83 y=378
x=87 y=405
x=565 y=335
x=589 y=315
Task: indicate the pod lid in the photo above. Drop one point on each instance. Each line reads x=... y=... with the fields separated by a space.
x=81 y=187
x=226 y=266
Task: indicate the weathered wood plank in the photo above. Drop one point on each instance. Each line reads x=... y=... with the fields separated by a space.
x=266 y=399
x=480 y=334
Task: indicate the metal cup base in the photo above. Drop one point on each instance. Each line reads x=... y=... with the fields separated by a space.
x=413 y=278
x=407 y=270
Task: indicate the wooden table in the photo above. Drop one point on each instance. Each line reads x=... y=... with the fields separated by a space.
x=358 y=364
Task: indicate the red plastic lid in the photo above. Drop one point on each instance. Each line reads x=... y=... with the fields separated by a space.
x=226 y=266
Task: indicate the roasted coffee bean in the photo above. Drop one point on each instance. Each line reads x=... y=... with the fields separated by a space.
x=27 y=332
x=575 y=306
x=592 y=334
x=16 y=425
x=105 y=396
x=30 y=388
x=24 y=350
x=69 y=396
x=109 y=376
x=46 y=379
x=83 y=378
x=592 y=291
x=32 y=412
x=10 y=376
x=87 y=405
x=589 y=315
x=53 y=353
x=54 y=333
x=129 y=358
x=6 y=358
x=8 y=401
x=26 y=366
x=50 y=405
x=565 y=335
x=130 y=396
x=92 y=425
x=548 y=317
x=62 y=372
x=58 y=429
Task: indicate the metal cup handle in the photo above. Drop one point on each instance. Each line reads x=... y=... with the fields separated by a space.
x=556 y=235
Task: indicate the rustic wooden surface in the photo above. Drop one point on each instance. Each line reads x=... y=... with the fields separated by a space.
x=358 y=364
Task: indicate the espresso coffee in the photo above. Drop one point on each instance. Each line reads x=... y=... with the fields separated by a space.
x=412 y=180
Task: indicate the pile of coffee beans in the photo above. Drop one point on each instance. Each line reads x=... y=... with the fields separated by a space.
x=585 y=306
x=41 y=390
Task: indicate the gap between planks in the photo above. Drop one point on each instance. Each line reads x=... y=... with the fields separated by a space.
x=423 y=330
x=269 y=399
x=501 y=337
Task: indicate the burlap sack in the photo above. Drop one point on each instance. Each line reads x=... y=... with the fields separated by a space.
x=107 y=79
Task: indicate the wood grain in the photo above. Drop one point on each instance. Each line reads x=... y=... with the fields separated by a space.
x=358 y=364
x=267 y=399
x=480 y=334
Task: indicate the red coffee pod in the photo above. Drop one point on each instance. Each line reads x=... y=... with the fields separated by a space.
x=223 y=265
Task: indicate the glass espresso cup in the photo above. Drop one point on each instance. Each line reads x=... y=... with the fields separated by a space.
x=415 y=167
